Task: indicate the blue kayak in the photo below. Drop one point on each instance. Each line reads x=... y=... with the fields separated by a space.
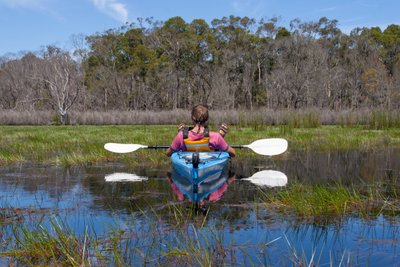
x=198 y=174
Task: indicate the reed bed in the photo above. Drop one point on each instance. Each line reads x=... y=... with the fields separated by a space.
x=257 y=118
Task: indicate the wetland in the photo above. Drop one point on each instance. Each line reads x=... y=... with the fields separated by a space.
x=339 y=207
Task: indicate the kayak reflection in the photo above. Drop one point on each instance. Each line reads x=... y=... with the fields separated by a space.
x=268 y=178
x=209 y=190
x=124 y=177
x=197 y=175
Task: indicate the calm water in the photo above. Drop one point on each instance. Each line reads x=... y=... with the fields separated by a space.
x=82 y=198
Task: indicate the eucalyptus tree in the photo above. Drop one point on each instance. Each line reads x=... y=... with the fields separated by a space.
x=389 y=40
x=137 y=63
x=362 y=66
x=387 y=52
x=178 y=47
x=264 y=45
x=201 y=74
x=60 y=77
x=101 y=71
x=237 y=58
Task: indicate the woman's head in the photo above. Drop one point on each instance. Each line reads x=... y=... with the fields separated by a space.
x=200 y=114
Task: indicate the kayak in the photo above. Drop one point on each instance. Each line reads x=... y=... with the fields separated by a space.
x=198 y=174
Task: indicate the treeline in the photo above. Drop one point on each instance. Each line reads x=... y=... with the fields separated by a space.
x=234 y=63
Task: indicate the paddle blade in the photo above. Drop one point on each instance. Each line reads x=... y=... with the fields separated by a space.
x=269 y=178
x=122 y=148
x=269 y=146
x=124 y=177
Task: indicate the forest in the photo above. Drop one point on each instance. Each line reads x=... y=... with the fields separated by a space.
x=234 y=63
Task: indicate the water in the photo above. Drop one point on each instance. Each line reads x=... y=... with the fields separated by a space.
x=81 y=198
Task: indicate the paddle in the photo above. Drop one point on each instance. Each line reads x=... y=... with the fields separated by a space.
x=267 y=147
x=127 y=148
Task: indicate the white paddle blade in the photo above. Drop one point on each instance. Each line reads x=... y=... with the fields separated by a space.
x=269 y=146
x=124 y=177
x=122 y=148
x=269 y=178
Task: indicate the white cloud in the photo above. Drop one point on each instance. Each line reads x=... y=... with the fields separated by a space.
x=112 y=8
x=44 y=6
x=33 y=4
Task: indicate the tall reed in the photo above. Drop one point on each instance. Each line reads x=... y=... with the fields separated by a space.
x=256 y=118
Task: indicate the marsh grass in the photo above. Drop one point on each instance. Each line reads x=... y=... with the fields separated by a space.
x=71 y=145
x=256 y=118
x=35 y=245
x=324 y=203
x=382 y=120
x=53 y=243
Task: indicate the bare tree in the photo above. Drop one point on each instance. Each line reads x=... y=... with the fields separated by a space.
x=18 y=87
x=62 y=81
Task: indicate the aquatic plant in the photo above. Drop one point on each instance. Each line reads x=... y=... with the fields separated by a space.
x=325 y=203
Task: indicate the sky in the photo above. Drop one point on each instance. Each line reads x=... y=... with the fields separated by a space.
x=29 y=25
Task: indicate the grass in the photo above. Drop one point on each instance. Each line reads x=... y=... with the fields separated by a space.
x=256 y=118
x=54 y=243
x=38 y=246
x=69 y=145
x=325 y=203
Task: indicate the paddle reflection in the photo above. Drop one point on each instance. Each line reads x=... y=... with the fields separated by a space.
x=268 y=178
x=124 y=177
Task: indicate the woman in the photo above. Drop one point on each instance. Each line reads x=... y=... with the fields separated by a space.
x=199 y=138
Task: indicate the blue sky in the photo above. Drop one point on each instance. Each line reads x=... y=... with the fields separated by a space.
x=27 y=25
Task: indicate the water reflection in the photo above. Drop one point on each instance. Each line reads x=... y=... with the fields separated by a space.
x=124 y=177
x=347 y=166
x=268 y=178
x=25 y=185
x=82 y=195
x=210 y=190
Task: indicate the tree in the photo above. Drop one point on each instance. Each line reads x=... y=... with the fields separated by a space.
x=61 y=80
x=101 y=71
x=237 y=57
x=18 y=87
x=177 y=44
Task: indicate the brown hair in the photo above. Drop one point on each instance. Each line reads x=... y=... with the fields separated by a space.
x=200 y=114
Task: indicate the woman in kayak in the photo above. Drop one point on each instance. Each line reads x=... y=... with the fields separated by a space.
x=199 y=138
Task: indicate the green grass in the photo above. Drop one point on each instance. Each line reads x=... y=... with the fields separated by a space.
x=39 y=246
x=69 y=145
x=33 y=243
x=324 y=203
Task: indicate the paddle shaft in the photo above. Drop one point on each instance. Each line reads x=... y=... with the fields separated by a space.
x=157 y=147
x=233 y=146
x=238 y=146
